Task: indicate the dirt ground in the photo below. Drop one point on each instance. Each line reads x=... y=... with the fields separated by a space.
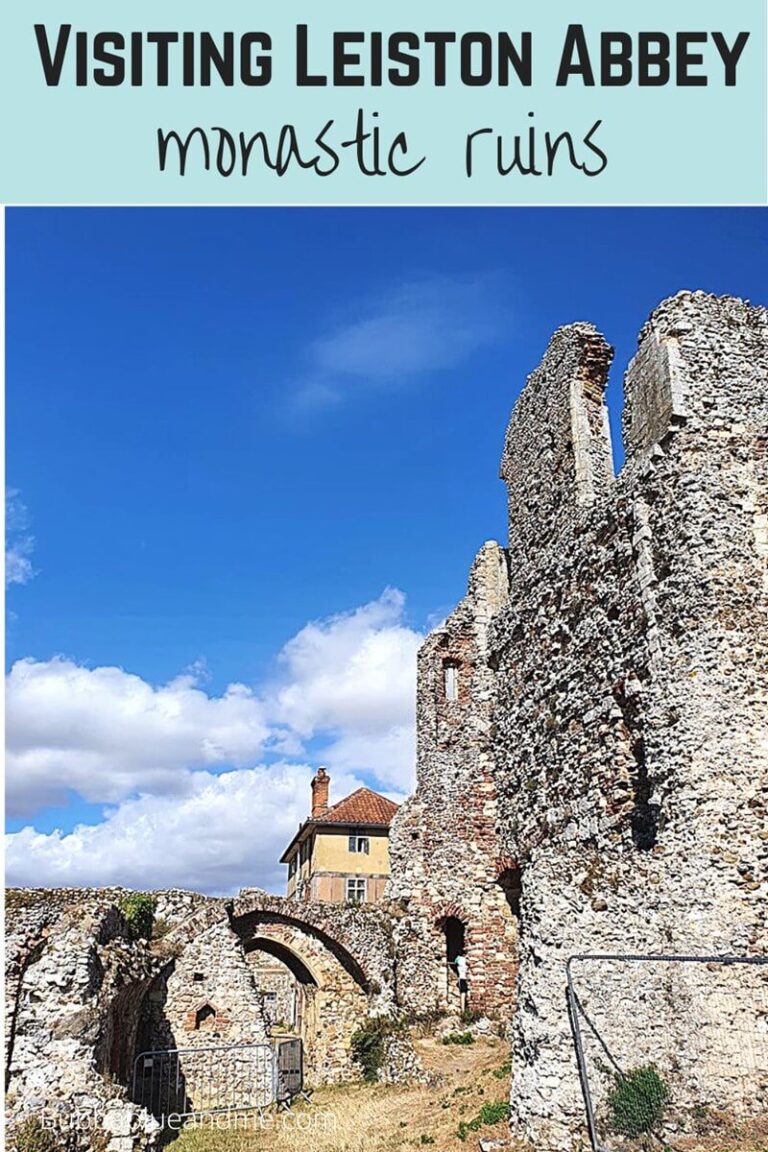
x=378 y=1118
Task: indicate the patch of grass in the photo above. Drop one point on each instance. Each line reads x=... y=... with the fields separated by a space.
x=493 y=1113
x=504 y=1072
x=461 y=1038
x=637 y=1103
x=490 y=1113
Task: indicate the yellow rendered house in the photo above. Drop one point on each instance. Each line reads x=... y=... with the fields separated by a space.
x=341 y=852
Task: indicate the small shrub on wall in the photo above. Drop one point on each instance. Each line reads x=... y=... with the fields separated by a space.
x=638 y=1101
x=369 y=1044
x=138 y=908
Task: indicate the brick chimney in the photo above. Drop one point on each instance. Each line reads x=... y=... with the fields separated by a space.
x=320 y=786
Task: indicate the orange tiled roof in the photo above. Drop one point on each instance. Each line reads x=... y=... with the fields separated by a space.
x=361 y=807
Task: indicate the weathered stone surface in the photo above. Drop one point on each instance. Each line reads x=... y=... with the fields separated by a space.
x=72 y=973
x=84 y=999
x=608 y=745
x=630 y=719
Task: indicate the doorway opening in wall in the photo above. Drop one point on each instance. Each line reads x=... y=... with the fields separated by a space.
x=286 y=985
x=454 y=931
x=510 y=880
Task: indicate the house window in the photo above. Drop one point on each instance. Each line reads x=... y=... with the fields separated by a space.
x=292 y=866
x=451 y=679
x=359 y=844
x=356 y=889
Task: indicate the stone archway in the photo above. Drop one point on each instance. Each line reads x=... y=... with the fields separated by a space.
x=331 y=993
x=341 y=961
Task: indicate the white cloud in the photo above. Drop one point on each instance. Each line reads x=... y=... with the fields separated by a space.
x=18 y=543
x=106 y=734
x=227 y=833
x=353 y=678
x=422 y=326
x=345 y=697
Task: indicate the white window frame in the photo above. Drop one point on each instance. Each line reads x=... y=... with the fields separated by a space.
x=356 y=890
x=451 y=680
x=359 y=844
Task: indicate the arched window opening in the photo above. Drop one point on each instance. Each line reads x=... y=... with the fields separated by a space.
x=205 y=1018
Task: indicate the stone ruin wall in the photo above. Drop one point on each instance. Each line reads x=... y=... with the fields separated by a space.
x=610 y=737
x=74 y=980
x=631 y=712
x=83 y=998
x=444 y=850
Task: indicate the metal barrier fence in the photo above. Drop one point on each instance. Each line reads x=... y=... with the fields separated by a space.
x=701 y=1021
x=197 y=1081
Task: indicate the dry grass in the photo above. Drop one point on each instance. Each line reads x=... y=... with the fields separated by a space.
x=720 y=1133
x=375 y=1118
x=401 y=1118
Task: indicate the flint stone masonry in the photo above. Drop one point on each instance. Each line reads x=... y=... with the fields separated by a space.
x=72 y=978
x=631 y=661
x=343 y=958
x=603 y=759
x=83 y=999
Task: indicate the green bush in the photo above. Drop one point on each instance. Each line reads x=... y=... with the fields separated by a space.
x=31 y=1136
x=138 y=908
x=368 y=1044
x=638 y=1101
x=458 y=1038
x=488 y=1114
x=492 y=1113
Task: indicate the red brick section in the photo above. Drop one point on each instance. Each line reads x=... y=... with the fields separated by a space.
x=190 y=1020
x=321 y=783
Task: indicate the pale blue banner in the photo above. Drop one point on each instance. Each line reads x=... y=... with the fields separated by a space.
x=698 y=138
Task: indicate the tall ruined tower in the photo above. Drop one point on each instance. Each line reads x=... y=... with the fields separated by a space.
x=448 y=870
x=619 y=694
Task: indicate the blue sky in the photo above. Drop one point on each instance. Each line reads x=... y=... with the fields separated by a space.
x=230 y=432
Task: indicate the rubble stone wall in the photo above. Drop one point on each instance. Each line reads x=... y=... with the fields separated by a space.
x=74 y=980
x=84 y=999
x=630 y=717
